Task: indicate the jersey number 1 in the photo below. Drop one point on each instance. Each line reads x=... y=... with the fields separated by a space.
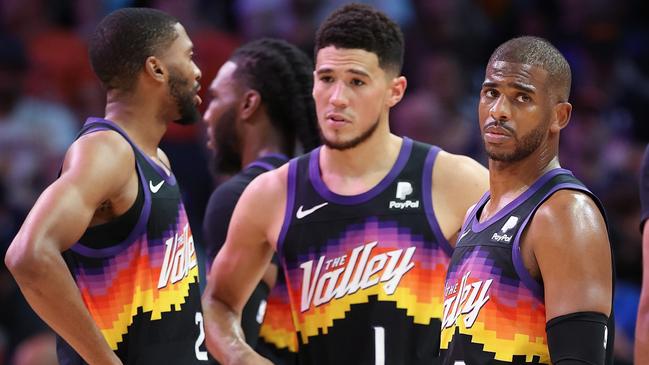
x=379 y=346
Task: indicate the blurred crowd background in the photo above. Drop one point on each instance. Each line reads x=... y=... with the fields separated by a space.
x=47 y=89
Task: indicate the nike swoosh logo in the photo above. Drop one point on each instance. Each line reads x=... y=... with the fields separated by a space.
x=462 y=235
x=155 y=188
x=303 y=213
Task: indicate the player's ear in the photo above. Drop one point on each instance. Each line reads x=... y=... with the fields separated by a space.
x=561 y=116
x=250 y=102
x=155 y=69
x=396 y=90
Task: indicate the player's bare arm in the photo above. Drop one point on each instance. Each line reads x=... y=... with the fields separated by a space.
x=241 y=263
x=641 y=348
x=567 y=246
x=458 y=183
x=98 y=182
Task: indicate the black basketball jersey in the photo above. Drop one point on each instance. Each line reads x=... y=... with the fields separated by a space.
x=365 y=273
x=494 y=311
x=275 y=338
x=138 y=274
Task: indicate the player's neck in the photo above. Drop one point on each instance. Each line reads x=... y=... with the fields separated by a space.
x=356 y=170
x=263 y=140
x=508 y=180
x=140 y=120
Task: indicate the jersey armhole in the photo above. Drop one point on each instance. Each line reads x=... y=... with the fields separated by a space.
x=519 y=266
x=140 y=227
x=290 y=202
x=427 y=185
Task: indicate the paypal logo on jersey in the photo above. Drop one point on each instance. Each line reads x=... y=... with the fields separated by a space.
x=502 y=237
x=404 y=189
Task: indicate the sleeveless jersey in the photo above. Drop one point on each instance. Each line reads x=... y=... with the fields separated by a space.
x=277 y=336
x=138 y=274
x=365 y=273
x=494 y=310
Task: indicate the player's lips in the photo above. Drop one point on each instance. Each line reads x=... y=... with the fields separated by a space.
x=336 y=118
x=496 y=134
x=197 y=99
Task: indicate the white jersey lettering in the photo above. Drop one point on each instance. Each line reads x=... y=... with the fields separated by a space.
x=360 y=272
x=465 y=299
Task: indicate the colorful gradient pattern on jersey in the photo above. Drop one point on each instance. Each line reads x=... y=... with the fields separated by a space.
x=498 y=312
x=127 y=281
x=277 y=327
x=374 y=258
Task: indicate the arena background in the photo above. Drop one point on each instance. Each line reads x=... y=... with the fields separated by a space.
x=47 y=90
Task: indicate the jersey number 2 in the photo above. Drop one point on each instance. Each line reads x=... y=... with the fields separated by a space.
x=201 y=355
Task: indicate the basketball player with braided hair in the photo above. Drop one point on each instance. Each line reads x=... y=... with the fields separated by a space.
x=260 y=115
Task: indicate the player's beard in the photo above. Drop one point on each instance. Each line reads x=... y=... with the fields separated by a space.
x=227 y=145
x=345 y=145
x=524 y=146
x=184 y=95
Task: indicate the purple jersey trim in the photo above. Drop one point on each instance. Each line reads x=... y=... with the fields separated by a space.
x=519 y=266
x=265 y=165
x=474 y=211
x=140 y=227
x=427 y=184
x=280 y=156
x=322 y=189
x=479 y=226
x=262 y=165
x=290 y=201
x=169 y=179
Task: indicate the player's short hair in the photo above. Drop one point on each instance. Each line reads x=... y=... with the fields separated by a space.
x=283 y=76
x=123 y=41
x=539 y=52
x=359 y=26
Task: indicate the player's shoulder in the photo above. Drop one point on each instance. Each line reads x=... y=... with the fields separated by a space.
x=228 y=192
x=454 y=170
x=567 y=205
x=101 y=141
x=268 y=186
x=103 y=148
x=273 y=179
x=460 y=165
x=568 y=216
x=101 y=157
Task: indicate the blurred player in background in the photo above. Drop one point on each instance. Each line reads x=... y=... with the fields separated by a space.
x=261 y=114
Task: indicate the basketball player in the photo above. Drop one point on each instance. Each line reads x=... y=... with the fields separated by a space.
x=362 y=224
x=530 y=280
x=260 y=114
x=641 y=347
x=129 y=293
